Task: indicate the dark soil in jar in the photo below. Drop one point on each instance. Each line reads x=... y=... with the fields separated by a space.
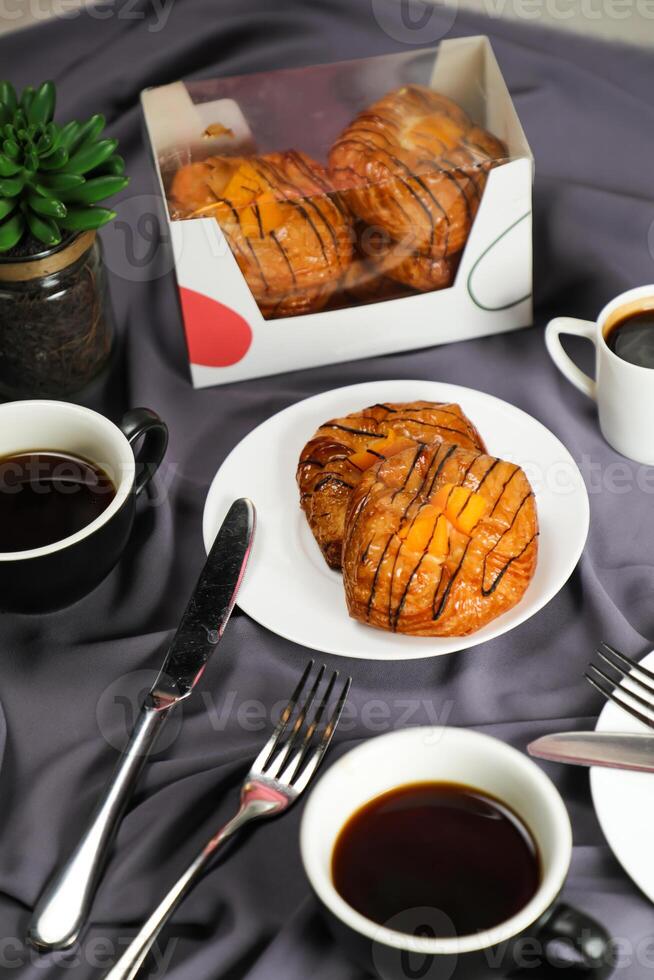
x=30 y=247
x=56 y=332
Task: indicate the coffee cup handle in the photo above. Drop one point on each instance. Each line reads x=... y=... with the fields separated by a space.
x=565 y=364
x=144 y=423
x=586 y=935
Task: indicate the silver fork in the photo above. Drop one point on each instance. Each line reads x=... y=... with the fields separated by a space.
x=640 y=678
x=278 y=775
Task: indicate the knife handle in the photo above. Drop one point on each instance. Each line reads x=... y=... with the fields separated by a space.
x=63 y=907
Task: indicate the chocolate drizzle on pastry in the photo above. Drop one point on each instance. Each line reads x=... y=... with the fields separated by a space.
x=283 y=220
x=411 y=169
x=344 y=449
x=439 y=542
x=415 y=165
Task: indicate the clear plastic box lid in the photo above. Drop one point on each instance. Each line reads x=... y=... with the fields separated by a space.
x=338 y=184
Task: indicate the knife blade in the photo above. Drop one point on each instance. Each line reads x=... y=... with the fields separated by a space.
x=62 y=910
x=209 y=608
x=610 y=749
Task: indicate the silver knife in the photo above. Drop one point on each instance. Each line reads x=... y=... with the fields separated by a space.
x=63 y=907
x=615 y=751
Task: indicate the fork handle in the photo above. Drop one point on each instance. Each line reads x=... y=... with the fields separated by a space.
x=132 y=959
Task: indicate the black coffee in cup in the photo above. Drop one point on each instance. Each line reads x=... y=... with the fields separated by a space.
x=48 y=496
x=631 y=337
x=442 y=846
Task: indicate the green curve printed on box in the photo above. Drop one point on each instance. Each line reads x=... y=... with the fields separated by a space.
x=507 y=306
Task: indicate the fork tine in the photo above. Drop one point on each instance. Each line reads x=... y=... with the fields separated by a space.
x=627 y=672
x=275 y=766
x=627 y=661
x=646 y=702
x=293 y=767
x=623 y=690
x=301 y=782
x=610 y=695
x=272 y=744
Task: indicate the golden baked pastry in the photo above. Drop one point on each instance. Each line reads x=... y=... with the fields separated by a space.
x=367 y=278
x=289 y=232
x=336 y=458
x=366 y=282
x=420 y=272
x=414 y=164
x=438 y=541
x=383 y=269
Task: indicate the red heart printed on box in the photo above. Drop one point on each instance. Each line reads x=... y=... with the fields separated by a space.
x=217 y=336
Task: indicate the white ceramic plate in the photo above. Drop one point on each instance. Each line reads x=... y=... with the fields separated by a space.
x=289 y=588
x=624 y=802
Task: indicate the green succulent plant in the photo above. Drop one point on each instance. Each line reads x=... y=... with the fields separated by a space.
x=52 y=177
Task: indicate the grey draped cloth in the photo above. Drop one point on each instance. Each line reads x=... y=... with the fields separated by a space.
x=70 y=681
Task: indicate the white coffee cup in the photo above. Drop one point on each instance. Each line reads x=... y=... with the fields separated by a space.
x=624 y=392
x=418 y=755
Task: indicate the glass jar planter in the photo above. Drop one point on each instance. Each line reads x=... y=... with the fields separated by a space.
x=56 y=325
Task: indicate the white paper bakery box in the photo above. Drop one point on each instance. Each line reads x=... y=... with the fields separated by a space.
x=228 y=338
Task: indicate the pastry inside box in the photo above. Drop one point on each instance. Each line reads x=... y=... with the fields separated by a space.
x=387 y=210
x=329 y=188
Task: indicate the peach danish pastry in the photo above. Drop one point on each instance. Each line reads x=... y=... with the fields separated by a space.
x=420 y=272
x=415 y=164
x=438 y=541
x=336 y=458
x=289 y=232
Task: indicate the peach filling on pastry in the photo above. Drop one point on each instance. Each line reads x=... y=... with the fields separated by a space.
x=380 y=449
x=258 y=208
x=445 y=131
x=428 y=533
x=455 y=506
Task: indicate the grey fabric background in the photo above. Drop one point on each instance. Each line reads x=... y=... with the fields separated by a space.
x=69 y=680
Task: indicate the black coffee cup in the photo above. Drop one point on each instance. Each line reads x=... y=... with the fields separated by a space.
x=56 y=575
x=409 y=946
